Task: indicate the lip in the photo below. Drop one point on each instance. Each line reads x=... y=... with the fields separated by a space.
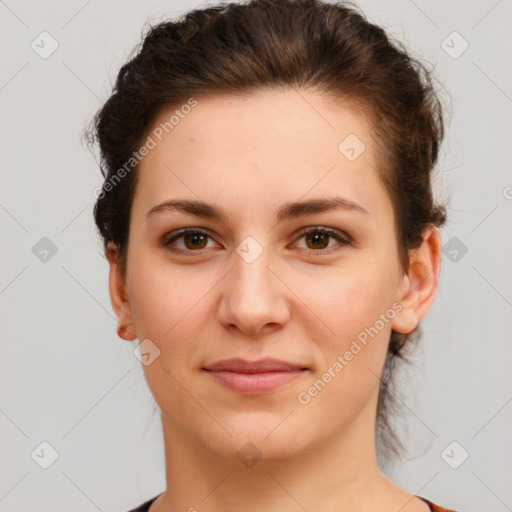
x=254 y=377
x=267 y=364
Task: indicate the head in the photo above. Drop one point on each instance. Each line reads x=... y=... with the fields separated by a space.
x=250 y=108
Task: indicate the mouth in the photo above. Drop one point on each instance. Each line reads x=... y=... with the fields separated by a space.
x=246 y=377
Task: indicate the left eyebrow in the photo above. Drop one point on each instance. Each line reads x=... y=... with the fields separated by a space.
x=321 y=205
x=287 y=211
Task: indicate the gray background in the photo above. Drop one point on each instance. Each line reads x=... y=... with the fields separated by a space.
x=68 y=380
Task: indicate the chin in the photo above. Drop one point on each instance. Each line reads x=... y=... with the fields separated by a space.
x=256 y=445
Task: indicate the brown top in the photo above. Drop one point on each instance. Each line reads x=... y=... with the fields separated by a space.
x=433 y=507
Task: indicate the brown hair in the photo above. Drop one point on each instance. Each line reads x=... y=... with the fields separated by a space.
x=236 y=48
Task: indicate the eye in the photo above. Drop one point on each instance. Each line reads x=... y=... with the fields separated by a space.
x=195 y=240
x=192 y=239
x=317 y=239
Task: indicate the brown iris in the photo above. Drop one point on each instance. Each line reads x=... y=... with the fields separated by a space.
x=317 y=237
x=197 y=239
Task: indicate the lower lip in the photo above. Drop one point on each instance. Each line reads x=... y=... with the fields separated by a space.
x=253 y=383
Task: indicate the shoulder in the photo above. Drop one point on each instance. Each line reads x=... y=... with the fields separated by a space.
x=145 y=506
x=434 y=507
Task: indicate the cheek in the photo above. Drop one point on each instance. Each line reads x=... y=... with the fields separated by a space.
x=167 y=309
x=162 y=298
x=351 y=299
x=171 y=306
x=357 y=308
x=352 y=358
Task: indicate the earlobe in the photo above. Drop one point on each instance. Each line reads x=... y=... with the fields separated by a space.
x=125 y=333
x=118 y=295
x=419 y=286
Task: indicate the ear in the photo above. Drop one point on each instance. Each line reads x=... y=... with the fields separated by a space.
x=118 y=296
x=419 y=285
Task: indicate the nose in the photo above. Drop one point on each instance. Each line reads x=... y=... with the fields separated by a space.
x=254 y=299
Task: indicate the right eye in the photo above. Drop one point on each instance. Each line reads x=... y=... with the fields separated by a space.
x=193 y=239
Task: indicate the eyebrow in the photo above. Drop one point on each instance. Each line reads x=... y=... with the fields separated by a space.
x=287 y=211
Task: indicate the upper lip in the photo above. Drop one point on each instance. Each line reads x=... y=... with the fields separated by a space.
x=262 y=365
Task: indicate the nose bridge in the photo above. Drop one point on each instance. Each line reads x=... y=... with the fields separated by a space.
x=252 y=295
x=252 y=276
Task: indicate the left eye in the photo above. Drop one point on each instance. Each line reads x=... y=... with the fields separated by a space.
x=317 y=238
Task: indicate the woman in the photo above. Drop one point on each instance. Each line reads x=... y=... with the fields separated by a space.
x=268 y=218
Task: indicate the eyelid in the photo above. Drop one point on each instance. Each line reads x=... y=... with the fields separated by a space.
x=325 y=229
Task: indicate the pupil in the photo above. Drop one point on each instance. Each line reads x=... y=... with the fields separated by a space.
x=318 y=238
x=197 y=239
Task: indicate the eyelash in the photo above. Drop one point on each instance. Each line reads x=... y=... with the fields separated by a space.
x=342 y=238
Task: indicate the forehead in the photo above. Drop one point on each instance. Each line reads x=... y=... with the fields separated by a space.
x=267 y=120
x=270 y=145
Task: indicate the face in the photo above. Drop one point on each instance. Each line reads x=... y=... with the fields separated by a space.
x=319 y=288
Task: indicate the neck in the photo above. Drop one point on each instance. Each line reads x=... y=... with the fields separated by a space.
x=339 y=473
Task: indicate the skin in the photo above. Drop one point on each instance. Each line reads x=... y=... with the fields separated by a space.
x=297 y=302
